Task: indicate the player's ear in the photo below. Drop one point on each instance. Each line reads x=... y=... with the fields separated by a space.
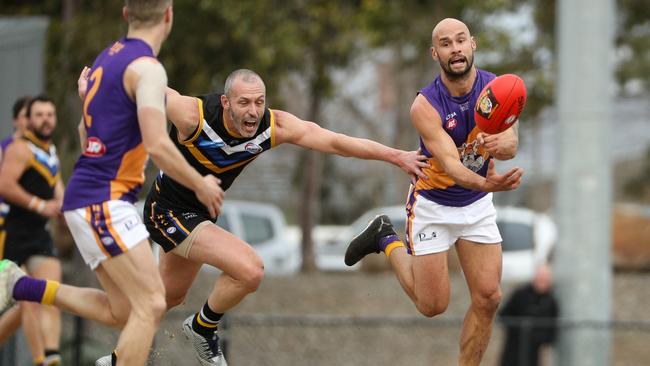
x=125 y=13
x=169 y=14
x=224 y=101
x=434 y=53
x=473 y=42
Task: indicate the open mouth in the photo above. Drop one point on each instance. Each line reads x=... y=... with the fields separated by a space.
x=457 y=61
x=250 y=124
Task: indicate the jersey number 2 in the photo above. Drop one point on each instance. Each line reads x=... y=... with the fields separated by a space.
x=96 y=78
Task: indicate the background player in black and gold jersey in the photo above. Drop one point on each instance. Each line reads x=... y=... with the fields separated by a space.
x=220 y=134
x=32 y=186
x=10 y=320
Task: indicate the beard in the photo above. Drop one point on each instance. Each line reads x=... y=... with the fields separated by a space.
x=239 y=124
x=42 y=135
x=457 y=75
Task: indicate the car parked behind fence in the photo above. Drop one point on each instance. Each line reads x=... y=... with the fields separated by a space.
x=528 y=238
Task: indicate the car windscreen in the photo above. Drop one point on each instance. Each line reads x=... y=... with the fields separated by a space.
x=516 y=236
x=258 y=228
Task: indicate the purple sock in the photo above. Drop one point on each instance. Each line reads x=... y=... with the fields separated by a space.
x=29 y=289
x=383 y=242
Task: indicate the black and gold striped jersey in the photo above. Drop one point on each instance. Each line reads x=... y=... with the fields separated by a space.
x=214 y=149
x=39 y=179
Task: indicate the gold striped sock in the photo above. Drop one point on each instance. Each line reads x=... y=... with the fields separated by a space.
x=50 y=292
x=390 y=247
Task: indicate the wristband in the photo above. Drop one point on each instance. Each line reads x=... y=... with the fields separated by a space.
x=36 y=204
x=41 y=206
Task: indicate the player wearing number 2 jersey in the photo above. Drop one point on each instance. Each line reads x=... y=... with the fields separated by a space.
x=123 y=121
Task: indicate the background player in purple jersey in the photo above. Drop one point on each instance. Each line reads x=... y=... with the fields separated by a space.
x=219 y=134
x=33 y=188
x=454 y=205
x=19 y=120
x=124 y=121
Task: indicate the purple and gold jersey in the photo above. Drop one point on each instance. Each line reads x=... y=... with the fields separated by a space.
x=6 y=142
x=112 y=164
x=457 y=115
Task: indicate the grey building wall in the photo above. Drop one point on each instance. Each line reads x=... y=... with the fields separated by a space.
x=22 y=60
x=22 y=66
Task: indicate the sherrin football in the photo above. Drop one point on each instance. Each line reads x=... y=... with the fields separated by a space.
x=500 y=103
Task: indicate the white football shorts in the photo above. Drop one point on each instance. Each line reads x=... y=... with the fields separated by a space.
x=434 y=228
x=105 y=230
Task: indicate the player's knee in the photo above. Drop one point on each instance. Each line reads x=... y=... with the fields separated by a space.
x=487 y=300
x=252 y=277
x=175 y=299
x=158 y=307
x=431 y=308
x=118 y=318
x=152 y=308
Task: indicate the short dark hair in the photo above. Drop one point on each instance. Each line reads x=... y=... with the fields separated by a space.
x=244 y=74
x=146 y=12
x=39 y=98
x=19 y=104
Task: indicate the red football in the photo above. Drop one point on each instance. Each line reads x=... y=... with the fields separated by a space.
x=500 y=103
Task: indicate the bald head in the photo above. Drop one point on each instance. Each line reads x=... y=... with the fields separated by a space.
x=543 y=279
x=448 y=28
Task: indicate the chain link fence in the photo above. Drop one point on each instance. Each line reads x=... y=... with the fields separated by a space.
x=315 y=340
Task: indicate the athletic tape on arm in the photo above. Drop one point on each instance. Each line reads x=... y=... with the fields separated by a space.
x=150 y=91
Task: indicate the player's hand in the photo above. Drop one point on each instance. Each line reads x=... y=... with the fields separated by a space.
x=210 y=194
x=412 y=162
x=51 y=209
x=502 y=146
x=82 y=82
x=495 y=182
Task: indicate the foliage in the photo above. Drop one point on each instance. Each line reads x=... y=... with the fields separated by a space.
x=638 y=187
x=312 y=39
x=633 y=34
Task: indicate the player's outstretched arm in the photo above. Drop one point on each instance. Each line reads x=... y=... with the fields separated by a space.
x=427 y=121
x=291 y=129
x=147 y=80
x=502 y=146
x=15 y=163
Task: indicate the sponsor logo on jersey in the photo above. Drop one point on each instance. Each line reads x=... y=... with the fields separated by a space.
x=210 y=144
x=107 y=240
x=253 y=148
x=451 y=124
x=94 y=147
x=189 y=215
x=170 y=230
x=131 y=222
x=425 y=237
